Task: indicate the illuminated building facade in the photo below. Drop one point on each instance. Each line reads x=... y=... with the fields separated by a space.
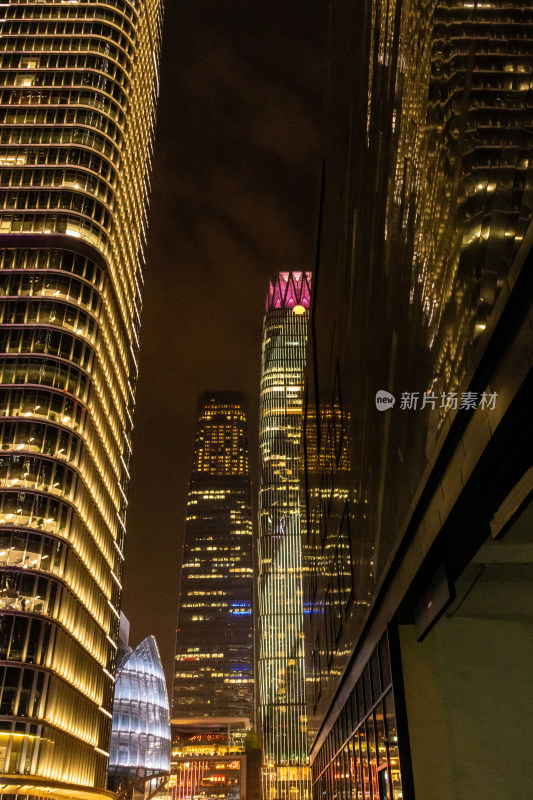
x=213 y=699
x=140 y=736
x=423 y=291
x=214 y=668
x=209 y=761
x=281 y=653
x=78 y=100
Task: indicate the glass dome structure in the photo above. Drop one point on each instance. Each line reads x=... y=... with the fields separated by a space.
x=140 y=738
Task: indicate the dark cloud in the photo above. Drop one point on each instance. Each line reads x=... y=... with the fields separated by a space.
x=260 y=114
x=234 y=200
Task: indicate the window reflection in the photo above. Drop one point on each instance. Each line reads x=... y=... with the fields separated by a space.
x=359 y=759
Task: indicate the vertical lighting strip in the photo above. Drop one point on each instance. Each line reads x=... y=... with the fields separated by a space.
x=78 y=99
x=281 y=655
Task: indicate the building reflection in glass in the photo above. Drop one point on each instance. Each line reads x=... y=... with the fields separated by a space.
x=427 y=197
x=360 y=756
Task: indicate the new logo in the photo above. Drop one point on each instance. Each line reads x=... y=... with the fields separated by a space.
x=384 y=400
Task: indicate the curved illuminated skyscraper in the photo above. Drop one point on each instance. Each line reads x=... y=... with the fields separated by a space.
x=79 y=85
x=281 y=654
x=140 y=739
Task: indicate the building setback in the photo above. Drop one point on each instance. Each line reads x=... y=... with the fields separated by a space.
x=281 y=653
x=79 y=95
x=419 y=549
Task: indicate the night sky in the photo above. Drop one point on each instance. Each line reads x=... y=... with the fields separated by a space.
x=234 y=200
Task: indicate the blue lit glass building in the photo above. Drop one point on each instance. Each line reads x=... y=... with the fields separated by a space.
x=140 y=738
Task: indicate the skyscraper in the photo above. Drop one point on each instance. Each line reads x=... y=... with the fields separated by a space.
x=421 y=362
x=214 y=670
x=281 y=653
x=213 y=698
x=79 y=96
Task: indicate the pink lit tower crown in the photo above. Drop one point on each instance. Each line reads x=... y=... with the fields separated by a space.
x=281 y=643
x=291 y=290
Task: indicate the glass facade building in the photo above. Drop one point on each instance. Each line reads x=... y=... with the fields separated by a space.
x=214 y=667
x=140 y=736
x=208 y=763
x=419 y=370
x=281 y=651
x=214 y=683
x=79 y=83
